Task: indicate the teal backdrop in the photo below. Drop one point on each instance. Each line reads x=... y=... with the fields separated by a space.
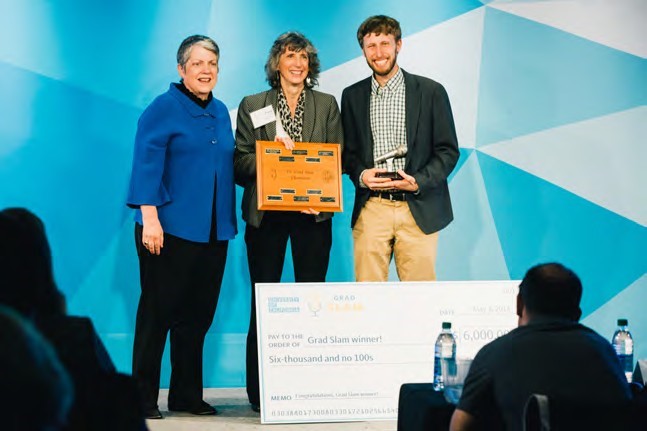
x=549 y=99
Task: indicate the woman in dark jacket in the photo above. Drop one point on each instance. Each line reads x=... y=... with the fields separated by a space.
x=301 y=115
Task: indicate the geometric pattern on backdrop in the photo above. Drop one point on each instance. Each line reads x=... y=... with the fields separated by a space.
x=549 y=99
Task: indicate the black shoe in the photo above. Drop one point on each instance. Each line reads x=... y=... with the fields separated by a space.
x=256 y=408
x=153 y=413
x=202 y=409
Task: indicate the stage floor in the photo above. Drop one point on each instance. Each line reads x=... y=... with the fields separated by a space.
x=235 y=414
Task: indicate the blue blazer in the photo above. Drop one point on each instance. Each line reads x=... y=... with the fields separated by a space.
x=183 y=164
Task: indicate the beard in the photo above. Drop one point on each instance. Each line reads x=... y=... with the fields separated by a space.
x=387 y=69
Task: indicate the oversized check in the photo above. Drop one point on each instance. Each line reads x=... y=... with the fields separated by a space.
x=332 y=352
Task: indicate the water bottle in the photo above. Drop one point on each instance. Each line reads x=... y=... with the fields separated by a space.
x=623 y=343
x=445 y=350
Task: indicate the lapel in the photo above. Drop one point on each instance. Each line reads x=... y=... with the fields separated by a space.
x=412 y=112
x=363 y=103
x=271 y=98
x=193 y=108
x=309 y=115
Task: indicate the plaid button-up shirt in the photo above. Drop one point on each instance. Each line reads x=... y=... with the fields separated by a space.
x=388 y=122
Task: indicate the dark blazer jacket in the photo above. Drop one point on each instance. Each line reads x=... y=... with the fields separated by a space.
x=98 y=387
x=431 y=142
x=321 y=123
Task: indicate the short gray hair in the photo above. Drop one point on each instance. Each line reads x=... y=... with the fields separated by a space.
x=293 y=41
x=184 y=51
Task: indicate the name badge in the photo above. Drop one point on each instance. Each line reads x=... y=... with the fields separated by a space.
x=263 y=116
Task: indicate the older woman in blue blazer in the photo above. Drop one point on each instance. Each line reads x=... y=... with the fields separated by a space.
x=182 y=186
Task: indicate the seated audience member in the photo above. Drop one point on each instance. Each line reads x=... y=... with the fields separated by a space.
x=550 y=353
x=31 y=376
x=105 y=399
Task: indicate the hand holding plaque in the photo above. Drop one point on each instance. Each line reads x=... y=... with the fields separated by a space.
x=401 y=151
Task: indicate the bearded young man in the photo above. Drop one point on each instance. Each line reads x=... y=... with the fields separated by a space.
x=387 y=113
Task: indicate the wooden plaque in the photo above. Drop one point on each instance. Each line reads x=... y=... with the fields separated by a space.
x=309 y=176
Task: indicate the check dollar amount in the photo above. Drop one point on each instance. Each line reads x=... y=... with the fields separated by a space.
x=480 y=334
x=321 y=359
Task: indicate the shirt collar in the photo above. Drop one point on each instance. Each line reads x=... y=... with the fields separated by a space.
x=191 y=105
x=391 y=85
x=201 y=103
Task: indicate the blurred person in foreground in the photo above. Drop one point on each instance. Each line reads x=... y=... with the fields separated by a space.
x=27 y=285
x=550 y=353
x=182 y=187
x=32 y=375
x=300 y=114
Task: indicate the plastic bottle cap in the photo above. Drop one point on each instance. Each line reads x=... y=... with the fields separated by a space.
x=447 y=325
x=622 y=322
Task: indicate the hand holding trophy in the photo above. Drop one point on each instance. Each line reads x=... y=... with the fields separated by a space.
x=388 y=157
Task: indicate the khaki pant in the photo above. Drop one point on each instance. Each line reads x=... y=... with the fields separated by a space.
x=385 y=229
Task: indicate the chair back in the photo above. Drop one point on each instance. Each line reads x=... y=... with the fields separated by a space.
x=640 y=372
x=536 y=413
x=542 y=413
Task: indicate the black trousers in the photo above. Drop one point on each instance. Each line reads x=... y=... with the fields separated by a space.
x=179 y=294
x=266 y=245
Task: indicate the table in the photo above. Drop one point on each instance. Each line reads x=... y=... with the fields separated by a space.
x=420 y=408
